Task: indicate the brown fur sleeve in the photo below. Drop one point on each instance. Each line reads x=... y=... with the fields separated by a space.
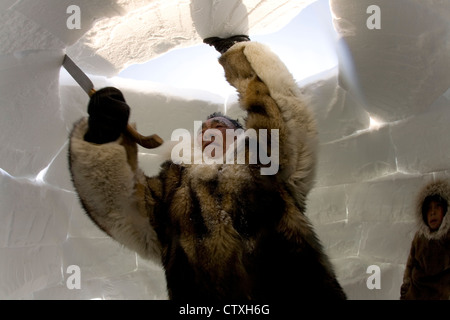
x=272 y=100
x=113 y=190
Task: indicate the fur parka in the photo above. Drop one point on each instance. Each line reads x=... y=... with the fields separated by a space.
x=427 y=272
x=221 y=231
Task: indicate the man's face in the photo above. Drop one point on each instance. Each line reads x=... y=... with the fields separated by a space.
x=206 y=138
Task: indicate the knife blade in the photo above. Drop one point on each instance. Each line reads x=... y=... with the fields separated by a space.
x=78 y=75
x=86 y=84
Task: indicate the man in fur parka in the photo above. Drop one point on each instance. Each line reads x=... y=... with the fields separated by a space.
x=427 y=273
x=221 y=231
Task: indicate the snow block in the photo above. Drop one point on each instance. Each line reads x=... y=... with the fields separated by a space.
x=355 y=276
x=28 y=269
x=225 y=18
x=17 y=33
x=422 y=142
x=360 y=157
x=32 y=213
x=337 y=113
x=340 y=239
x=148 y=30
x=98 y=257
x=390 y=199
x=137 y=285
x=65 y=19
x=80 y=225
x=400 y=66
x=327 y=204
x=30 y=111
x=387 y=241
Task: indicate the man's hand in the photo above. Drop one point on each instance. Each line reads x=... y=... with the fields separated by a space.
x=108 y=116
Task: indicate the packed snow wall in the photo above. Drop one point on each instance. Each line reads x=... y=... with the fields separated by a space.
x=382 y=113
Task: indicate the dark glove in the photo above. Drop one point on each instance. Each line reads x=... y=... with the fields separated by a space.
x=108 y=116
x=222 y=45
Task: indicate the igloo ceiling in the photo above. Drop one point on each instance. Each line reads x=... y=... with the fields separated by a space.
x=382 y=109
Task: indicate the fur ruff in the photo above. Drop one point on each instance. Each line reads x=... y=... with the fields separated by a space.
x=442 y=189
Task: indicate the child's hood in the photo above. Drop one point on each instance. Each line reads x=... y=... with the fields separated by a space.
x=441 y=188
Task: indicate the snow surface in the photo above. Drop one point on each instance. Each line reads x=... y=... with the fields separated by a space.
x=368 y=172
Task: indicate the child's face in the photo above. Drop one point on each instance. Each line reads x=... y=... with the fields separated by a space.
x=435 y=215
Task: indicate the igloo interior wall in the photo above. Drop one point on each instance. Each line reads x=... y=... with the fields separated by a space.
x=368 y=172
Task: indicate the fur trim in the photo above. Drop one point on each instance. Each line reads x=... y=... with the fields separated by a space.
x=111 y=192
x=301 y=141
x=441 y=188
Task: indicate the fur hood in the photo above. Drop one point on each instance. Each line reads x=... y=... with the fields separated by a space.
x=442 y=189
